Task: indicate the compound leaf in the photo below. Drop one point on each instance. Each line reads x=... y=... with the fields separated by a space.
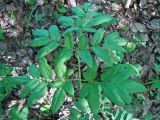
x=117 y=87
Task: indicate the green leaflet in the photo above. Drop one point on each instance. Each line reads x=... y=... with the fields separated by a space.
x=92 y=14
x=93 y=98
x=41 y=41
x=83 y=42
x=124 y=94
x=100 y=20
x=33 y=71
x=100 y=52
x=134 y=87
x=78 y=11
x=5 y=70
x=86 y=56
x=158 y=58
x=60 y=69
x=17 y=114
x=115 y=42
x=66 y=21
x=63 y=55
x=84 y=90
x=47 y=49
x=1 y=34
x=91 y=72
x=111 y=93
x=157 y=68
x=40 y=33
x=74 y=112
x=28 y=87
x=123 y=75
x=54 y=33
x=86 y=5
x=30 y=2
x=79 y=22
x=119 y=72
x=89 y=29
x=37 y=93
x=58 y=100
x=44 y=108
x=82 y=105
x=115 y=46
x=45 y=69
x=68 y=87
x=112 y=36
x=68 y=40
x=68 y=73
x=156 y=84
x=69 y=30
x=98 y=36
x=111 y=72
x=8 y=83
x=18 y=80
x=56 y=84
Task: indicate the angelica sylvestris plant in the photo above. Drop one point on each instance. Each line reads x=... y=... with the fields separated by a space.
x=84 y=41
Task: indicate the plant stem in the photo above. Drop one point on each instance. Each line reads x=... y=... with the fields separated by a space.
x=155 y=81
x=79 y=70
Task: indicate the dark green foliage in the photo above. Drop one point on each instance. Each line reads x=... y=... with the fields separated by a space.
x=112 y=80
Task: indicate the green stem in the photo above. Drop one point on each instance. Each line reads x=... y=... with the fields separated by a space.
x=155 y=81
x=79 y=70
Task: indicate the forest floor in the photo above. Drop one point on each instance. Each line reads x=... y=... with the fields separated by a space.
x=140 y=23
